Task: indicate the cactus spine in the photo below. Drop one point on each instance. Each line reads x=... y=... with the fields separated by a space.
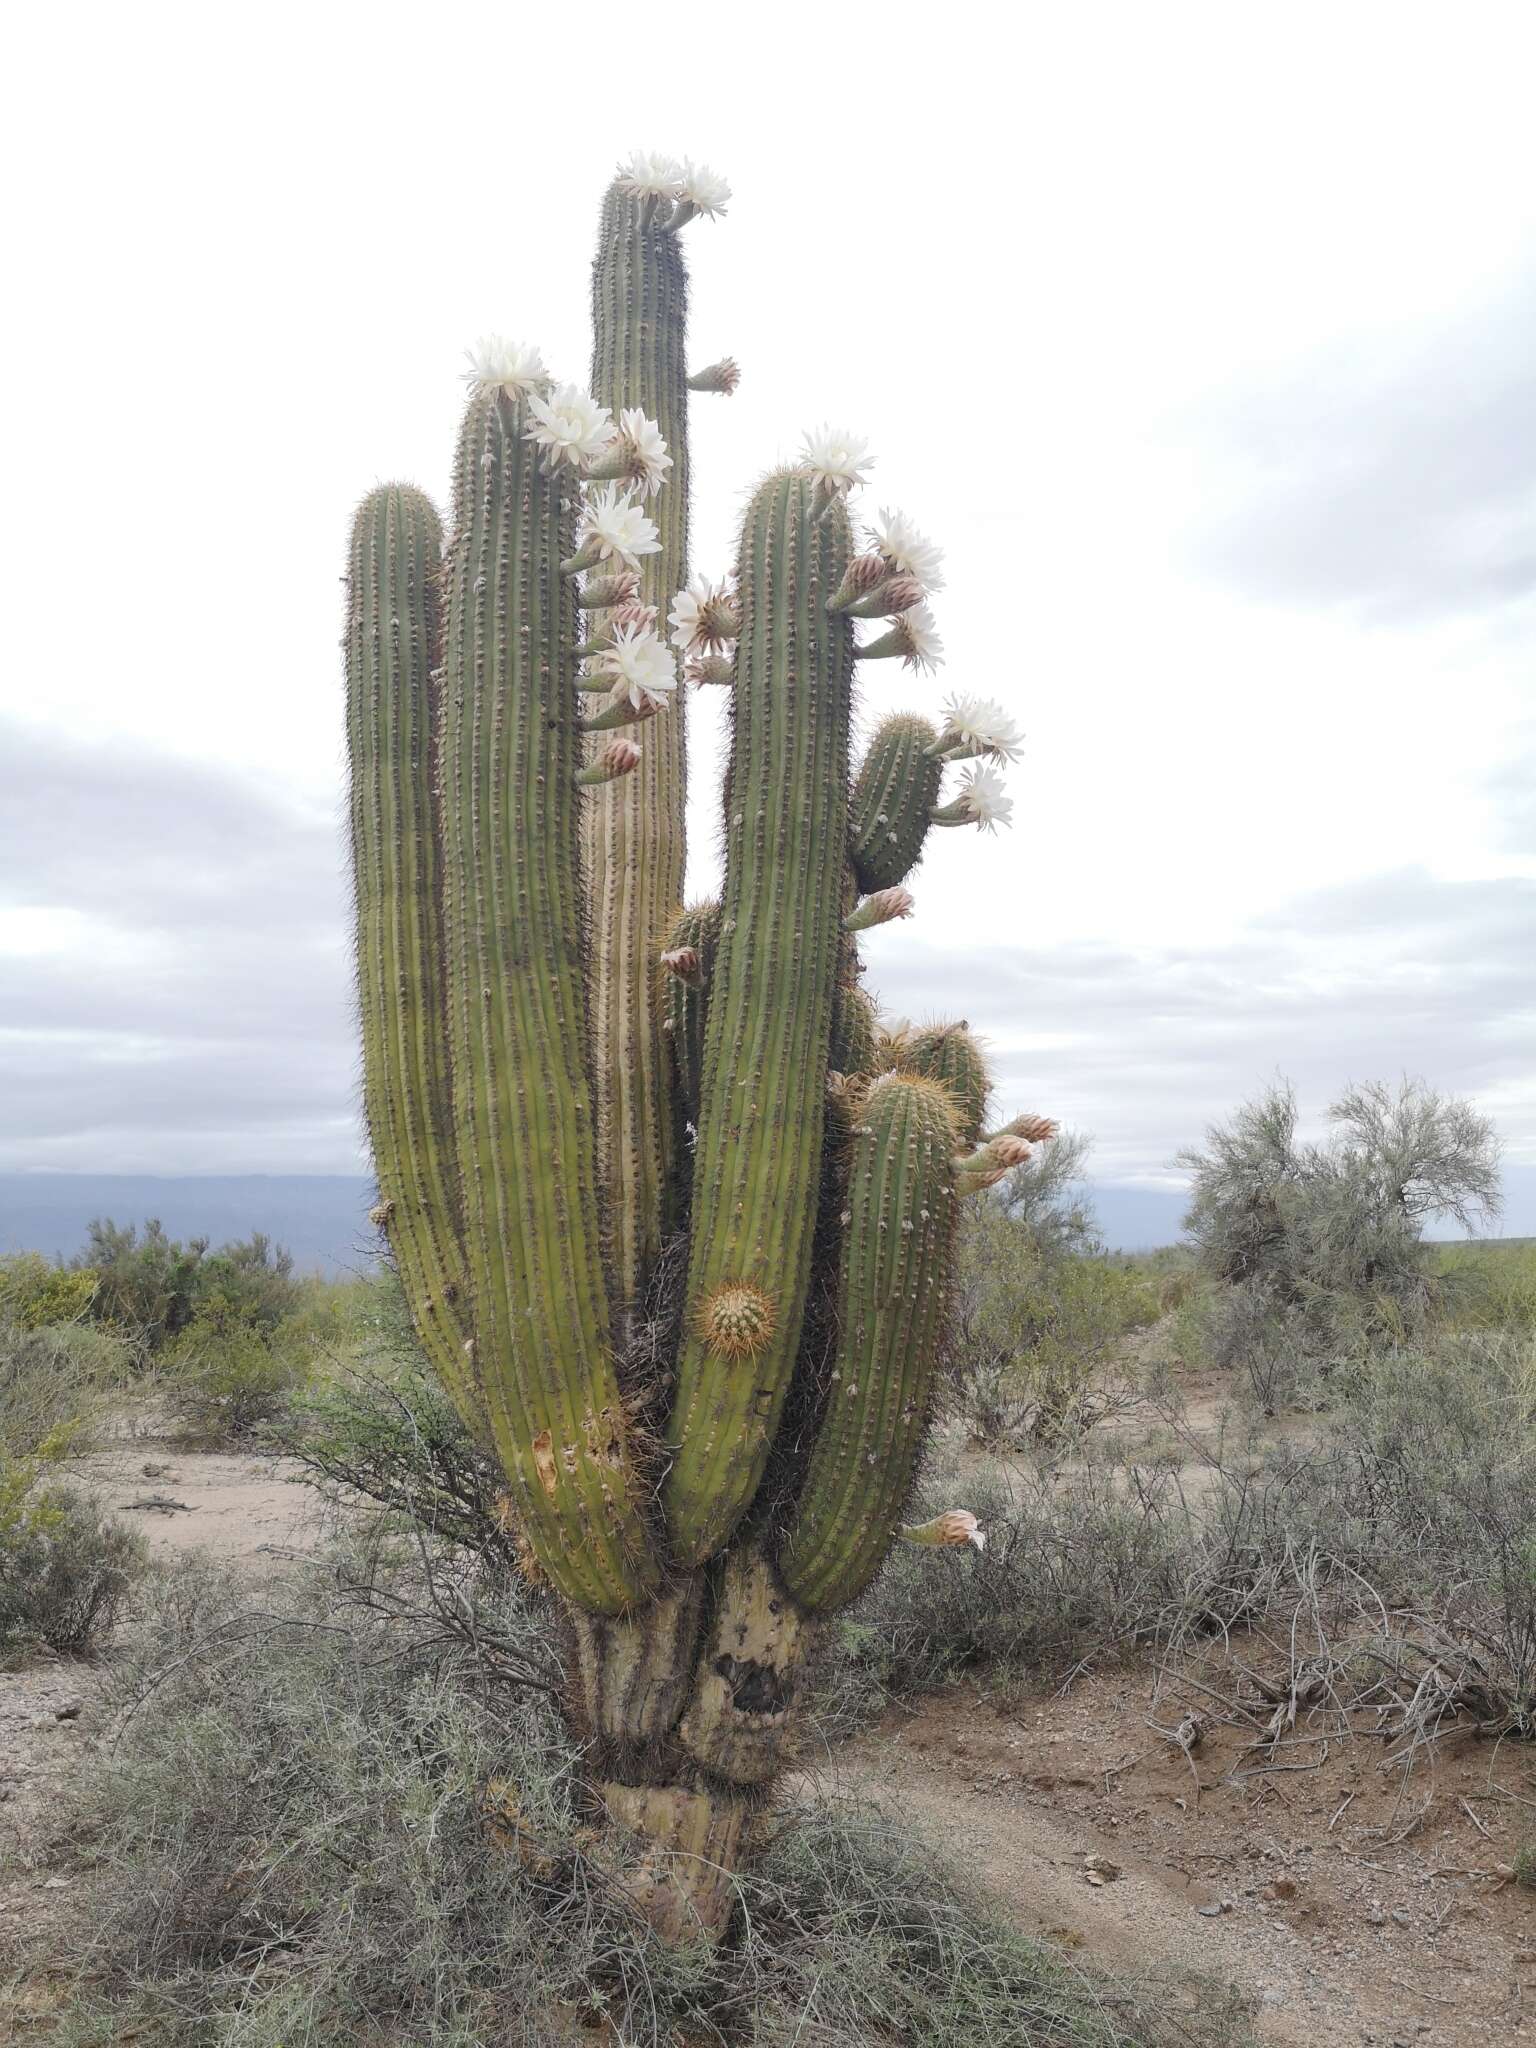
x=584 y=1101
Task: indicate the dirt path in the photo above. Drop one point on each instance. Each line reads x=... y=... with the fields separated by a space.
x=1084 y=1824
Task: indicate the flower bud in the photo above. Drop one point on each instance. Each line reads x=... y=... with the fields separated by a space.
x=619 y=757
x=953 y=1527
x=880 y=908
x=723 y=376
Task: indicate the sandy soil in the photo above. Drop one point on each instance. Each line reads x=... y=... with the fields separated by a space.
x=1083 y=1820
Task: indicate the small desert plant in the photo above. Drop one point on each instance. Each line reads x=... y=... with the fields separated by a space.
x=65 y=1564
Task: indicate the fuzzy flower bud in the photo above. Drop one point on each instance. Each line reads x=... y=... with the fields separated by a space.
x=685 y=963
x=863 y=574
x=892 y=599
x=880 y=908
x=997 y=1155
x=598 y=593
x=619 y=757
x=713 y=668
x=953 y=1527
x=723 y=377
x=1038 y=1130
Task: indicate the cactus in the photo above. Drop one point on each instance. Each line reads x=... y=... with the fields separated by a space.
x=609 y=1131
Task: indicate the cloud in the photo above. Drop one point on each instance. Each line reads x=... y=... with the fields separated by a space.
x=179 y=990
x=1397 y=973
x=178 y=977
x=1388 y=476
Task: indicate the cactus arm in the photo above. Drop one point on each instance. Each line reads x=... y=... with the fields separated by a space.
x=686 y=1005
x=633 y=831
x=896 y=1252
x=758 y=1159
x=392 y=649
x=853 y=1029
x=515 y=966
x=950 y=1053
x=896 y=790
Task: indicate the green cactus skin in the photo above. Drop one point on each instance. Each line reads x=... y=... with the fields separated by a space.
x=758 y=1159
x=854 y=1027
x=516 y=967
x=686 y=1007
x=633 y=830
x=949 y=1053
x=392 y=648
x=896 y=789
x=896 y=1248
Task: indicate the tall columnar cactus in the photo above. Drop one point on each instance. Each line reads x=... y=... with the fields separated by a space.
x=602 y=1123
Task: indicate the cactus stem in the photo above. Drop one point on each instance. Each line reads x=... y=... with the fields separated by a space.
x=623 y=713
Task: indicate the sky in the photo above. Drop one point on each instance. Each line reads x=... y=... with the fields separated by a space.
x=1200 y=338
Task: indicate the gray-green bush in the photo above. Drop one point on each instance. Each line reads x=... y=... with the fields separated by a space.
x=1319 y=1249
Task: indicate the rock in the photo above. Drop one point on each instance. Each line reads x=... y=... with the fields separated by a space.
x=1209 y=1912
x=1280 y=1888
x=68 y=1712
x=1101 y=1868
x=1401 y=1917
x=1376 y=1917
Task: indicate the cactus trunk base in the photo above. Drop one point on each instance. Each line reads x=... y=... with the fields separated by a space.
x=686 y=1709
x=684 y=1846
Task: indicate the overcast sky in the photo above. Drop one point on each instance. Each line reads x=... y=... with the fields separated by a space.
x=1201 y=338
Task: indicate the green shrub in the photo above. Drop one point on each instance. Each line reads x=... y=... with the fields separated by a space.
x=65 y=1564
x=150 y=1287
x=54 y=1378
x=286 y=1844
x=35 y=1292
x=225 y=1378
x=1489 y=1286
x=1033 y=1329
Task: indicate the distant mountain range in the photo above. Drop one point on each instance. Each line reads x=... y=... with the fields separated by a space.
x=323 y=1218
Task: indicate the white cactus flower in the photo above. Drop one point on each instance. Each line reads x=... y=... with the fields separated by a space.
x=646 y=448
x=650 y=175
x=698 y=615
x=901 y=543
x=496 y=364
x=641 y=668
x=570 y=425
x=980 y=725
x=703 y=189
x=922 y=648
x=985 y=799
x=836 y=458
x=614 y=528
